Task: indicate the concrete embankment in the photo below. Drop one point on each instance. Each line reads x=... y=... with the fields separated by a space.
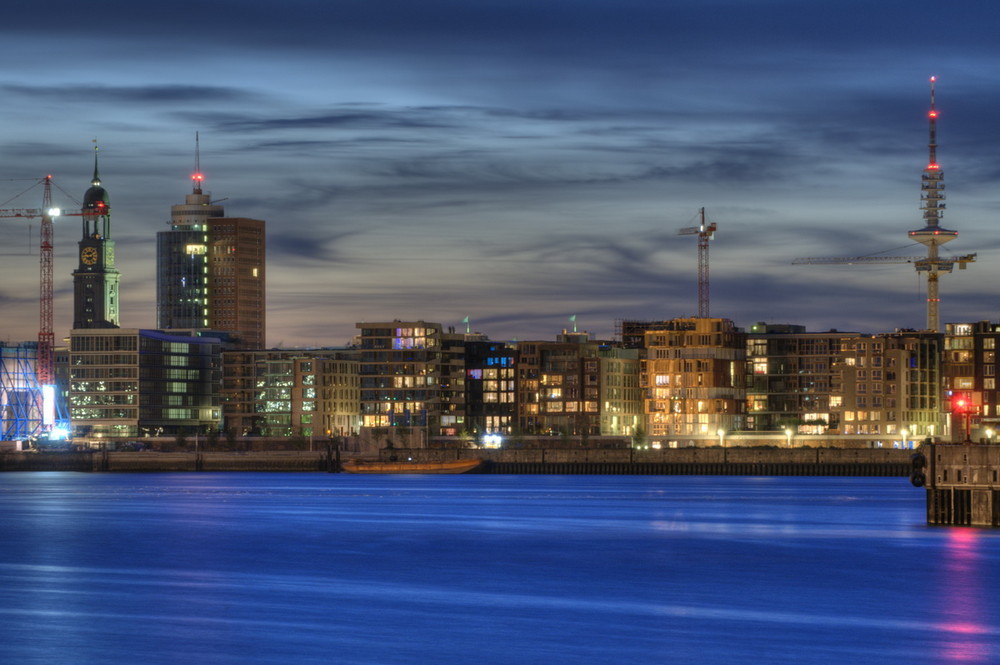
x=680 y=461
x=154 y=462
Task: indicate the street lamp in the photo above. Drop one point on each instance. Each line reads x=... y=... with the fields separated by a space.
x=722 y=437
x=903 y=434
x=989 y=436
x=788 y=435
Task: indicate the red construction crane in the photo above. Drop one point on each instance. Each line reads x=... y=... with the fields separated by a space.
x=45 y=363
x=704 y=233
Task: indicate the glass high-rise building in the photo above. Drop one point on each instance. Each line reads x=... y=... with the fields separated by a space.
x=210 y=271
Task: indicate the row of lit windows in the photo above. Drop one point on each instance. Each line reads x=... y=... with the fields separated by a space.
x=103 y=343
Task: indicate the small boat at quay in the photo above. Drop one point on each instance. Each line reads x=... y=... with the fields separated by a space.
x=453 y=466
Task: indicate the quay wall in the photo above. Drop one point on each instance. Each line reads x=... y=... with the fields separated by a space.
x=963 y=483
x=676 y=461
x=680 y=461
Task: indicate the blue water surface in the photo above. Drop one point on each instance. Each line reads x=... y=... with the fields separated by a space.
x=487 y=569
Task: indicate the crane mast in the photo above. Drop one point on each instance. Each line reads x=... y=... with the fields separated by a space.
x=705 y=232
x=46 y=337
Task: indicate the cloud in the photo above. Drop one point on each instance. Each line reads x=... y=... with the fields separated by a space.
x=102 y=95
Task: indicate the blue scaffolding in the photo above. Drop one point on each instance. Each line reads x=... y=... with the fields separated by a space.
x=22 y=414
x=20 y=394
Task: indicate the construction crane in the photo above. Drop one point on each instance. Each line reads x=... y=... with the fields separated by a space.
x=919 y=261
x=705 y=232
x=45 y=359
x=932 y=235
x=45 y=369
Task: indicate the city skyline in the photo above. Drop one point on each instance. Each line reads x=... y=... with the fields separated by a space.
x=517 y=163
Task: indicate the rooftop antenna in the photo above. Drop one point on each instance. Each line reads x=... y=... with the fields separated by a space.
x=197 y=177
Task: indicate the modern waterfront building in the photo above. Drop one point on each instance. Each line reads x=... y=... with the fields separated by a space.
x=301 y=392
x=790 y=377
x=888 y=384
x=127 y=383
x=490 y=387
x=694 y=378
x=620 y=402
x=211 y=270
x=970 y=373
x=412 y=379
x=558 y=385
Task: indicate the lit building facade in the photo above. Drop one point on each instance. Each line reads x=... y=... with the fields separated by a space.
x=129 y=383
x=490 y=387
x=412 y=378
x=970 y=371
x=889 y=383
x=282 y=393
x=620 y=401
x=694 y=378
x=211 y=271
x=790 y=378
x=558 y=385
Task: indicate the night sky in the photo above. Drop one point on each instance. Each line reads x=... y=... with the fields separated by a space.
x=514 y=161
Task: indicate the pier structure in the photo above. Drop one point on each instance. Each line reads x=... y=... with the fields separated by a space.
x=963 y=483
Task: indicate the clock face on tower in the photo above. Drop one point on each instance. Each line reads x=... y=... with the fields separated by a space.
x=89 y=255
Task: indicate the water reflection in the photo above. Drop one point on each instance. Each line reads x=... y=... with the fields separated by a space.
x=965 y=635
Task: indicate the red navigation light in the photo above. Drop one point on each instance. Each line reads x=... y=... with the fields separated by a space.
x=932 y=166
x=933 y=114
x=933 y=78
x=959 y=404
x=197 y=176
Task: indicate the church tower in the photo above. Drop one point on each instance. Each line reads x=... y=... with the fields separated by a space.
x=95 y=281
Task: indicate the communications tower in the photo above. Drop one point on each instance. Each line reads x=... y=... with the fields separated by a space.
x=933 y=235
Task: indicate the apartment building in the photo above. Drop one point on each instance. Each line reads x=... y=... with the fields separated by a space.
x=694 y=377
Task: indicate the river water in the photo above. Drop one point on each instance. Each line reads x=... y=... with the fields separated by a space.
x=487 y=569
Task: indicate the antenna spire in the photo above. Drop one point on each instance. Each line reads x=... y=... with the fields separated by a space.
x=197 y=177
x=97 y=177
x=932 y=116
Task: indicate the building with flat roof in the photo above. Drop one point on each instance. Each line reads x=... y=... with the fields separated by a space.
x=127 y=383
x=888 y=384
x=790 y=377
x=694 y=378
x=412 y=379
x=291 y=392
